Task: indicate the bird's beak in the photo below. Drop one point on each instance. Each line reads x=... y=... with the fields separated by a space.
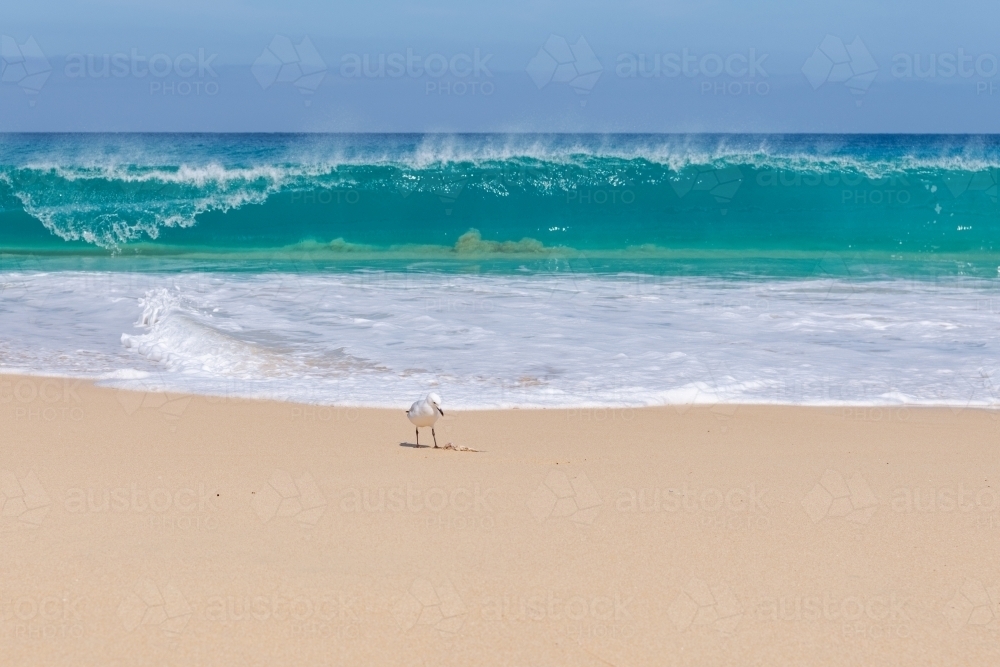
x=441 y=411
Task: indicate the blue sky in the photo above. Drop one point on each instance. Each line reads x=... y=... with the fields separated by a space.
x=501 y=66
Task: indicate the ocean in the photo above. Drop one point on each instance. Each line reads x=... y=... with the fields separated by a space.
x=507 y=270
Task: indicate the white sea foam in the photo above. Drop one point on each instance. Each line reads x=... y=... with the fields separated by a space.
x=322 y=154
x=492 y=341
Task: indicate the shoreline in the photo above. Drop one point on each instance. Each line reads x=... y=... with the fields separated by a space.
x=10 y=394
x=176 y=529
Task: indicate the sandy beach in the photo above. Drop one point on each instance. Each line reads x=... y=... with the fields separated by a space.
x=142 y=529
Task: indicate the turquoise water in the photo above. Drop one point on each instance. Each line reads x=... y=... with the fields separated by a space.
x=499 y=271
x=687 y=205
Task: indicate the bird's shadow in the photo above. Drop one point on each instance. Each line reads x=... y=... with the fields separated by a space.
x=413 y=446
x=439 y=448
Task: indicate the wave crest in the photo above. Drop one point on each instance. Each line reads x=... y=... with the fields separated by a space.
x=144 y=186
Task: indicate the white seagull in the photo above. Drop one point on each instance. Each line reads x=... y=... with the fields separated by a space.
x=425 y=413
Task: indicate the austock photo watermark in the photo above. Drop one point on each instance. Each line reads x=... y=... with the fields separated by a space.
x=283 y=61
x=978 y=69
x=461 y=304
x=452 y=74
x=975 y=505
x=602 y=414
x=150 y=396
x=181 y=75
x=574 y=189
x=883 y=616
x=169 y=609
x=848 y=63
x=44 y=617
x=849 y=496
x=735 y=74
x=849 y=188
x=326 y=197
x=314 y=615
x=457 y=74
x=24 y=65
x=703 y=605
x=182 y=508
x=719 y=183
x=559 y=62
x=738 y=508
x=462 y=507
x=580 y=617
x=617 y=390
x=875 y=413
x=838 y=60
x=600 y=196
x=326 y=414
x=744 y=73
x=974 y=607
x=857 y=616
x=42 y=400
x=851 y=63
x=24 y=503
x=565 y=496
x=439 y=508
x=442 y=607
x=740 y=74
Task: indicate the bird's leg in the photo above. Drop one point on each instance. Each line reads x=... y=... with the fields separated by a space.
x=418 y=436
x=434 y=435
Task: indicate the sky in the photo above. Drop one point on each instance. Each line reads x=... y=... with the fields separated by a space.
x=512 y=66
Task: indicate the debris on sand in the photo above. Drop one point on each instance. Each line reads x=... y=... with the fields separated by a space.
x=459 y=448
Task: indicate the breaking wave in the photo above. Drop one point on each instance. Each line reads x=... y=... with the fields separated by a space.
x=469 y=195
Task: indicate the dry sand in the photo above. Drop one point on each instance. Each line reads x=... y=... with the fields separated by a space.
x=170 y=530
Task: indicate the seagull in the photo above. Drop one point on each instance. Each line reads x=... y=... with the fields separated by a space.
x=425 y=413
